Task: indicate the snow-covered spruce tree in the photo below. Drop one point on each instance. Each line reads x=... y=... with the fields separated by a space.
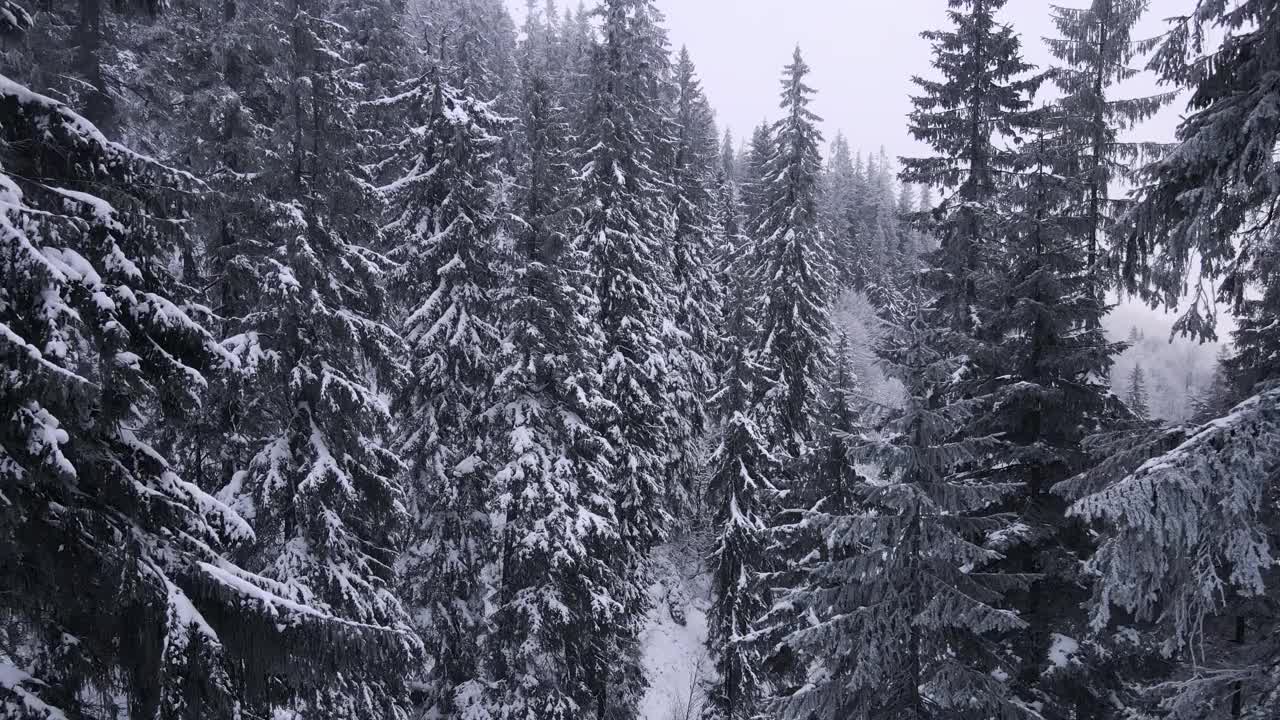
x=321 y=487
x=1037 y=381
x=1095 y=49
x=791 y=270
x=882 y=226
x=729 y=156
x=1195 y=527
x=624 y=224
x=103 y=541
x=743 y=470
x=727 y=258
x=902 y=619
x=477 y=39
x=839 y=423
x=839 y=216
x=442 y=234
x=792 y=264
x=696 y=290
x=1191 y=549
x=140 y=605
x=1220 y=393
x=980 y=96
x=752 y=181
x=1217 y=182
x=552 y=472
x=1135 y=394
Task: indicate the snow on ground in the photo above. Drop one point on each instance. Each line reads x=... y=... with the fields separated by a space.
x=673 y=641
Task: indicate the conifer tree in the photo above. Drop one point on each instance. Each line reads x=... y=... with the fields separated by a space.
x=839 y=211
x=752 y=180
x=320 y=483
x=980 y=96
x=105 y=545
x=729 y=218
x=695 y=291
x=835 y=470
x=624 y=214
x=729 y=157
x=1095 y=50
x=793 y=266
x=106 y=345
x=1042 y=390
x=744 y=469
x=442 y=235
x=1136 y=393
x=1211 y=198
x=903 y=619
x=551 y=460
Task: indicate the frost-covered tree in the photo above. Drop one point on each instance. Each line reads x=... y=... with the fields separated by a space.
x=839 y=213
x=1135 y=394
x=475 y=40
x=839 y=422
x=981 y=96
x=902 y=617
x=317 y=479
x=1194 y=526
x=442 y=234
x=743 y=470
x=104 y=542
x=624 y=224
x=141 y=606
x=1095 y=50
x=752 y=181
x=792 y=264
x=695 y=291
x=551 y=461
x=1037 y=381
x=1191 y=550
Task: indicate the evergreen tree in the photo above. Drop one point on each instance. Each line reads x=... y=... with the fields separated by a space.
x=840 y=221
x=1209 y=197
x=319 y=484
x=105 y=344
x=1192 y=527
x=624 y=213
x=695 y=290
x=552 y=477
x=980 y=98
x=1136 y=393
x=475 y=40
x=1042 y=391
x=442 y=234
x=793 y=266
x=752 y=180
x=729 y=217
x=840 y=424
x=1219 y=395
x=744 y=468
x=729 y=157
x=902 y=618
x=1095 y=50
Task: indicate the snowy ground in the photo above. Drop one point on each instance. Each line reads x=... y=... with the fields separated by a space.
x=673 y=641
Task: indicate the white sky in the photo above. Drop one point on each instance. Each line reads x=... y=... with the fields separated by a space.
x=862 y=53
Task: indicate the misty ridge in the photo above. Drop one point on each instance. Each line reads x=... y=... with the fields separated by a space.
x=639 y=360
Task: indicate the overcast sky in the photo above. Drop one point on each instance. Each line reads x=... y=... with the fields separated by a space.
x=863 y=54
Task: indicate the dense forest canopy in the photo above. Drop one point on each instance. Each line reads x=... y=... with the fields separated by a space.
x=386 y=359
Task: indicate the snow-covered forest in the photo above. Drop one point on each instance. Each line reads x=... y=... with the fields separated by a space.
x=408 y=359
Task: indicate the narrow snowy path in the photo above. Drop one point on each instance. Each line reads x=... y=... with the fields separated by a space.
x=674 y=639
